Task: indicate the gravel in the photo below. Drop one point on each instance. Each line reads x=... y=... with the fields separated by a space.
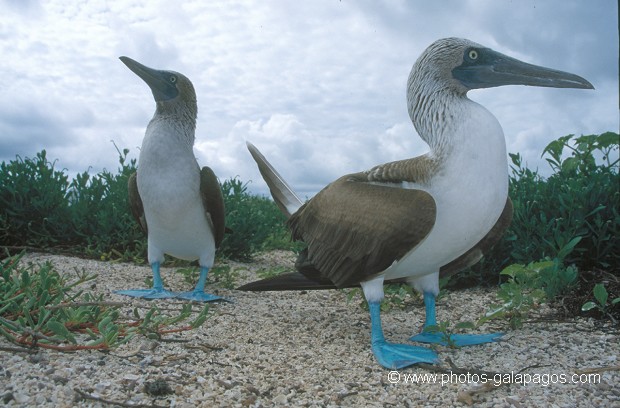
x=310 y=349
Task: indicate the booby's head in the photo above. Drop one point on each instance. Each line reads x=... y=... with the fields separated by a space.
x=464 y=65
x=170 y=89
x=454 y=66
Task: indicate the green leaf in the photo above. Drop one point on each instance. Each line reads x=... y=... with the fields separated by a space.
x=512 y=270
x=600 y=293
x=597 y=209
x=608 y=139
x=515 y=158
x=198 y=321
x=91 y=334
x=60 y=330
x=104 y=324
x=570 y=164
x=540 y=266
x=554 y=149
x=585 y=140
x=588 y=306
x=110 y=338
x=568 y=248
x=615 y=301
x=25 y=279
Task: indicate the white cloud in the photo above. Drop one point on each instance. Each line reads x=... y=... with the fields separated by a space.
x=318 y=86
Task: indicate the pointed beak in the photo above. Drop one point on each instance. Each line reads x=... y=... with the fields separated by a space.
x=492 y=68
x=161 y=83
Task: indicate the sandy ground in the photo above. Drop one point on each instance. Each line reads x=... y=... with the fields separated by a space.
x=310 y=349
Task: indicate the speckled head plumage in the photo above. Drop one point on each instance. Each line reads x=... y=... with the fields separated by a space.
x=431 y=86
x=173 y=92
x=450 y=67
x=433 y=69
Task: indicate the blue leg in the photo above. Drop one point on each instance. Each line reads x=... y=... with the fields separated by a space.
x=455 y=339
x=391 y=355
x=198 y=294
x=157 y=292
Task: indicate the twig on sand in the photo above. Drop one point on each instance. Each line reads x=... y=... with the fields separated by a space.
x=87 y=396
x=18 y=350
x=80 y=304
x=595 y=370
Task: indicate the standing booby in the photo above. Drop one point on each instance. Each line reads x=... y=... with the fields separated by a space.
x=177 y=204
x=418 y=218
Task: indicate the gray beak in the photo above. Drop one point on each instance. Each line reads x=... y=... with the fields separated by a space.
x=485 y=68
x=162 y=83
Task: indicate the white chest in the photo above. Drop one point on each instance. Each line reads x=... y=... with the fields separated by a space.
x=470 y=191
x=169 y=186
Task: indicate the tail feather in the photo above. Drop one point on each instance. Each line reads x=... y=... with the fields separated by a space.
x=297 y=281
x=287 y=281
x=282 y=193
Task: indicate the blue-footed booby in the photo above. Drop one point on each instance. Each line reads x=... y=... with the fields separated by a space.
x=178 y=204
x=412 y=220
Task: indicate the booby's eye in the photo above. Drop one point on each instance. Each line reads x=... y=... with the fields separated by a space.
x=173 y=79
x=473 y=55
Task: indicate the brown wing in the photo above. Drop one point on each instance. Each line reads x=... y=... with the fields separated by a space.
x=213 y=202
x=355 y=229
x=135 y=202
x=472 y=256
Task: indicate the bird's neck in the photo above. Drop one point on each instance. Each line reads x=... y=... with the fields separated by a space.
x=435 y=112
x=464 y=137
x=448 y=120
x=179 y=119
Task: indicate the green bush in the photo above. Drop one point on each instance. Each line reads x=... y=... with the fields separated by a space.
x=33 y=203
x=100 y=213
x=580 y=199
x=256 y=222
x=41 y=308
x=40 y=208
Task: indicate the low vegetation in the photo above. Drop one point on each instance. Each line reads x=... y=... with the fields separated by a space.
x=40 y=308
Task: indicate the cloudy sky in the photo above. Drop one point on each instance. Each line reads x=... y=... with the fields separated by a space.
x=318 y=86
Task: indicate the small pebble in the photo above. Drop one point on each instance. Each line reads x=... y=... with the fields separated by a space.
x=130 y=378
x=157 y=388
x=280 y=399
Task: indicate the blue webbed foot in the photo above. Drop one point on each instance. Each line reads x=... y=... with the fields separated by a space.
x=458 y=340
x=198 y=296
x=148 y=293
x=396 y=356
x=156 y=292
x=392 y=355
